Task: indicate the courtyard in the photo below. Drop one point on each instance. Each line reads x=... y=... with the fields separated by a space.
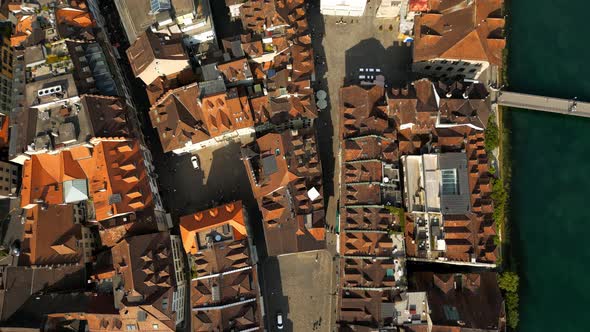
x=300 y=287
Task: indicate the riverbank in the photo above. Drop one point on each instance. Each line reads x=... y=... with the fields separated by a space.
x=509 y=280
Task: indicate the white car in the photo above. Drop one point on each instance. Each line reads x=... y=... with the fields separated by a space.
x=195 y=162
x=280 y=320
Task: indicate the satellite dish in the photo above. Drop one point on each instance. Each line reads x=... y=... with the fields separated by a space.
x=217 y=237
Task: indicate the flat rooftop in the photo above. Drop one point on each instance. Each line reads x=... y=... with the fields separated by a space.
x=437 y=183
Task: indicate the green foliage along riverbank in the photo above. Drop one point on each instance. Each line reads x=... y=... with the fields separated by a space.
x=509 y=282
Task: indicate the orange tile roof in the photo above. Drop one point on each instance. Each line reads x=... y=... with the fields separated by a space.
x=418 y=5
x=4 y=122
x=114 y=170
x=23 y=28
x=235 y=70
x=284 y=169
x=50 y=236
x=476 y=33
x=221 y=115
x=181 y=117
x=75 y=17
x=146 y=268
x=231 y=214
x=120 y=166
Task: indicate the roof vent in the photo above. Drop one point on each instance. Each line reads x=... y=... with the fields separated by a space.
x=49 y=91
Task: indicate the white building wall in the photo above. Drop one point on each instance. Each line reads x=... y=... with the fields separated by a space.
x=230 y=136
x=449 y=68
x=343 y=7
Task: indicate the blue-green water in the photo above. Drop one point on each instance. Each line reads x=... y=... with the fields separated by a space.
x=549 y=49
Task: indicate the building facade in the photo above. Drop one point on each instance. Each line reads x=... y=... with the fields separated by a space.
x=343 y=7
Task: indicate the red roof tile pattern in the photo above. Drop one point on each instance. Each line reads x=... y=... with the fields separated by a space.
x=182 y=117
x=367 y=244
x=472 y=32
x=437 y=113
x=366 y=272
x=285 y=176
x=153 y=55
x=147 y=270
x=108 y=115
x=235 y=71
x=361 y=309
x=224 y=288
x=475 y=297
x=51 y=236
x=113 y=230
x=480 y=184
x=364 y=112
x=367 y=217
x=241 y=316
x=370 y=257
x=113 y=170
x=163 y=84
x=230 y=216
x=370 y=147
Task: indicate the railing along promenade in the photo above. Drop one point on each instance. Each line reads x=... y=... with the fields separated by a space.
x=544 y=104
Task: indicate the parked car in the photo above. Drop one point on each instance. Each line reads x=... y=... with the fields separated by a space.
x=280 y=320
x=195 y=162
x=15 y=248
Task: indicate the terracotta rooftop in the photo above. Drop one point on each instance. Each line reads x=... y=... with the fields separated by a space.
x=415 y=107
x=183 y=117
x=364 y=112
x=480 y=184
x=51 y=236
x=107 y=115
x=128 y=316
x=178 y=117
x=4 y=123
x=153 y=55
x=361 y=310
x=359 y=272
x=147 y=271
x=367 y=244
x=75 y=23
x=23 y=29
x=163 y=84
x=303 y=62
x=285 y=176
x=18 y=284
x=225 y=284
x=362 y=194
x=460 y=234
x=113 y=230
x=260 y=15
x=454 y=31
x=235 y=71
x=474 y=299
x=439 y=113
x=367 y=217
x=419 y=5
x=112 y=174
x=240 y=316
x=370 y=147
x=219 y=224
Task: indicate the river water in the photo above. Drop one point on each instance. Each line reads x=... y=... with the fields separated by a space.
x=549 y=52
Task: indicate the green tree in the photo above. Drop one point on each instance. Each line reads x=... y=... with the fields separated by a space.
x=508 y=281
x=512 y=302
x=491 y=135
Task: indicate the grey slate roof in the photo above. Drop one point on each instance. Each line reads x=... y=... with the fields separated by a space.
x=459 y=203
